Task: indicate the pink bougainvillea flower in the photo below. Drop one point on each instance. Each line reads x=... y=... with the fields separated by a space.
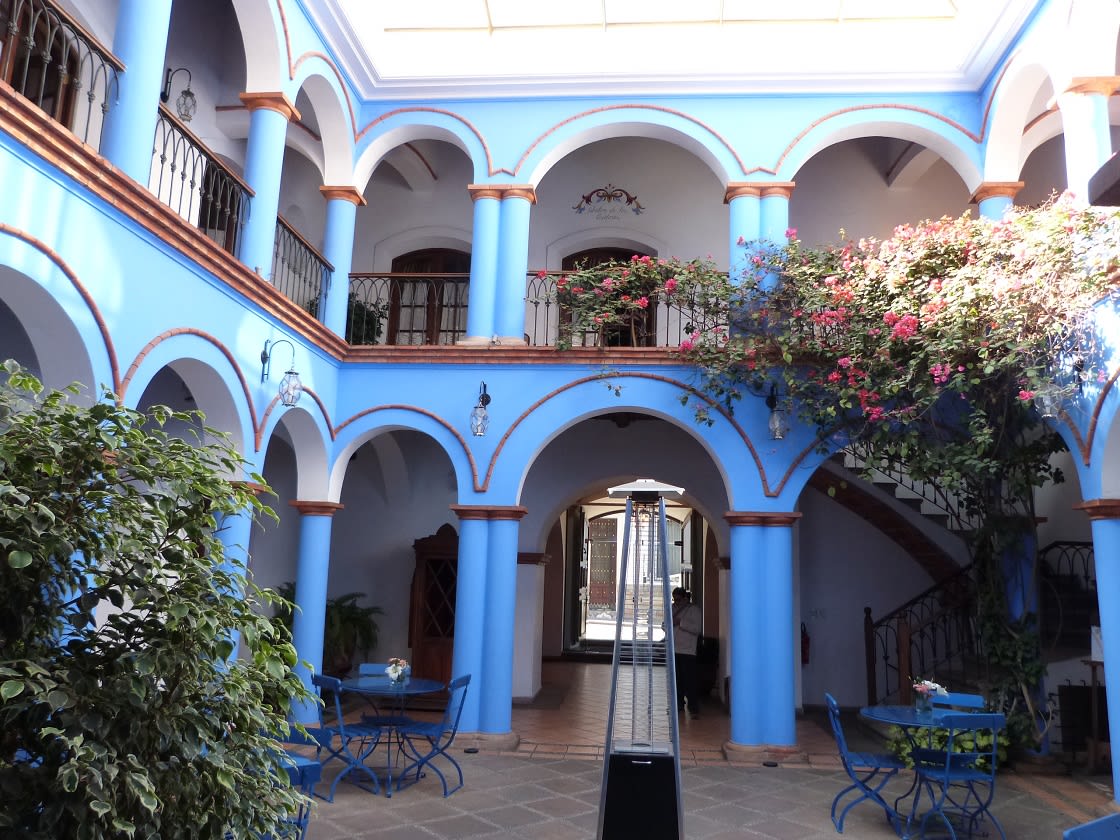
x=670 y=284
x=791 y=233
x=687 y=344
x=741 y=241
x=642 y=302
x=1026 y=396
x=844 y=361
x=542 y=274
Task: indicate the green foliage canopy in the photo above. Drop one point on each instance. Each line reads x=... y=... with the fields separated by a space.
x=121 y=711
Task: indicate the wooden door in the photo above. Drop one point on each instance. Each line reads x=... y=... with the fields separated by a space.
x=431 y=624
x=432 y=307
x=602 y=535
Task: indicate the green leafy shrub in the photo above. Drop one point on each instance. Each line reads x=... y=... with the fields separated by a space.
x=122 y=711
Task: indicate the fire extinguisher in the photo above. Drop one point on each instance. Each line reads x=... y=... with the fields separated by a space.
x=804 y=644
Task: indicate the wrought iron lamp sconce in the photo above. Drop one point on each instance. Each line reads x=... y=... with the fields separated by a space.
x=480 y=420
x=778 y=424
x=290 y=387
x=187 y=103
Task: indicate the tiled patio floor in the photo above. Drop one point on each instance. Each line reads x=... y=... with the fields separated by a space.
x=549 y=787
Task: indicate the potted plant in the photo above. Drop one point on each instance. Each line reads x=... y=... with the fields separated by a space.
x=348 y=628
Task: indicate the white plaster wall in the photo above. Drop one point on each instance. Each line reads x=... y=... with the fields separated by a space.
x=665 y=179
x=527 y=637
x=845 y=565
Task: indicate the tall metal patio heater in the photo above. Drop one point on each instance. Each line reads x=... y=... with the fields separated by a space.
x=641 y=792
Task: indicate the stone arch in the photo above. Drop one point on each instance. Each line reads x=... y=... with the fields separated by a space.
x=333 y=151
x=267 y=60
x=402 y=126
x=951 y=141
x=305 y=433
x=640 y=121
x=1007 y=147
x=368 y=424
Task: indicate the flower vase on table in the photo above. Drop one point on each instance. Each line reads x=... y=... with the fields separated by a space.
x=398 y=671
x=923 y=695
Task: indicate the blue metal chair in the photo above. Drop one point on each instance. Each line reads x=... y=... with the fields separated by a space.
x=958 y=700
x=868 y=772
x=960 y=780
x=304 y=773
x=355 y=741
x=435 y=739
x=379 y=717
x=1102 y=828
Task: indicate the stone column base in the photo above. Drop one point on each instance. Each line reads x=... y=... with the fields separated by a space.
x=760 y=753
x=488 y=741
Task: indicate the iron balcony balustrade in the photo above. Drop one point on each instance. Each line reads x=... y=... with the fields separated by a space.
x=196 y=185
x=398 y=309
x=53 y=62
x=299 y=271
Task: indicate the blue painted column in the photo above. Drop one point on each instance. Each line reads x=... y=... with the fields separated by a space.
x=234 y=531
x=994 y=198
x=1085 y=129
x=744 y=218
x=763 y=708
x=483 y=296
x=312 y=568
x=774 y=220
x=501 y=606
x=140 y=42
x=470 y=608
x=338 y=248
x=1104 y=515
x=264 y=164
x=513 y=263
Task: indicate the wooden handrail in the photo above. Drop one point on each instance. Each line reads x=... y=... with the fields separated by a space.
x=303 y=241
x=206 y=150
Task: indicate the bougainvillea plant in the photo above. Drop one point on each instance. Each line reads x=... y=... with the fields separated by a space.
x=613 y=303
x=937 y=351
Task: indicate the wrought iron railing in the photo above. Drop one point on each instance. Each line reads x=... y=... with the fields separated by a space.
x=299 y=271
x=934 y=499
x=1068 y=597
x=193 y=182
x=930 y=634
x=407 y=309
x=52 y=61
x=666 y=324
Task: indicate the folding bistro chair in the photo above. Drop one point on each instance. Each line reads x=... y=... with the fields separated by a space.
x=435 y=738
x=304 y=773
x=868 y=772
x=960 y=780
x=380 y=716
x=355 y=740
x=958 y=700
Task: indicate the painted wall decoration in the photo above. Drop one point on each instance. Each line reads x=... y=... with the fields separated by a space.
x=608 y=203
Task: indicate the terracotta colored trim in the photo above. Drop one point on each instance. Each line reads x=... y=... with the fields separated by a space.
x=533 y=558
x=311 y=508
x=1100 y=508
x=1101 y=85
x=784 y=189
x=739 y=189
x=258 y=435
x=83 y=293
x=425 y=110
x=765 y=518
x=997 y=189
x=525 y=192
x=276 y=100
x=350 y=194
x=44 y=137
x=478 y=191
x=338 y=77
x=478 y=488
x=420 y=156
x=605 y=108
x=205 y=336
x=1047 y=113
x=886 y=106
x=490 y=512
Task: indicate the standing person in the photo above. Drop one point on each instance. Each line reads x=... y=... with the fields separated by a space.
x=687 y=623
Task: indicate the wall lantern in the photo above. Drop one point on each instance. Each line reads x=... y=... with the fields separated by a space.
x=778 y=424
x=479 y=418
x=187 y=103
x=290 y=386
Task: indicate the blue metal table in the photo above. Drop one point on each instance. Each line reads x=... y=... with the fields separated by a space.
x=397 y=693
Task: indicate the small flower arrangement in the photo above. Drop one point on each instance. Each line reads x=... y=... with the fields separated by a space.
x=928 y=688
x=397 y=669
